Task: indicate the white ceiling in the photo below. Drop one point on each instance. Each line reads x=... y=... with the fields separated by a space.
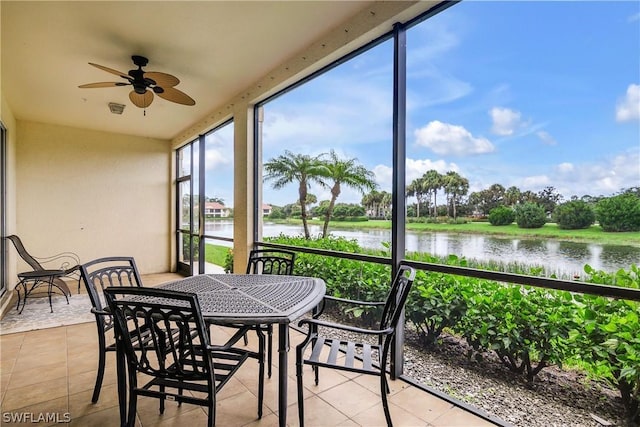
x=215 y=48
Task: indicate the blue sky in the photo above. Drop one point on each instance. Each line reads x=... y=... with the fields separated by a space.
x=531 y=94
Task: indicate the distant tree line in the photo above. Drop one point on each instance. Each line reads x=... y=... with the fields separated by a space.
x=496 y=203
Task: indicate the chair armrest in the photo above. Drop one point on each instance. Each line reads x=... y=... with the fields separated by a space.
x=355 y=302
x=345 y=327
x=105 y=312
x=318 y=312
x=69 y=261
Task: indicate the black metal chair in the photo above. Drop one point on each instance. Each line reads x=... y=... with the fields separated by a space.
x=164 y=337
x=270 y=261
x=98 y=275
x=359 y=356
x=67 y=263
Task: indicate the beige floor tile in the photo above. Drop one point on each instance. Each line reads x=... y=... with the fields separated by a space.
x=149 y=410
x=44 y=361
x=7 y=364
x=19 y=397
x=26 y=377
x=102 y=418
x=372 y=383
x=4 y=385
x=328 y=378
x=11 y=340
x=270 y=420
x=271 y=392
x=237 y=410
x=189 y=416
x=80 y=403
x=374 y=416
x=456 y=417
x=421 y=404
x=350 y=398
x=317 y=412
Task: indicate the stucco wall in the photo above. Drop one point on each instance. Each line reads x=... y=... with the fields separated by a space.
x=93 y=193
x=9 y=122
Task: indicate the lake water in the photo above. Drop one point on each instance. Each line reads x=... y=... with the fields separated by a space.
x=561 y=257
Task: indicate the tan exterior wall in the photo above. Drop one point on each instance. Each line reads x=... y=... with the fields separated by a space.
x=9 y=122
x=93 y=193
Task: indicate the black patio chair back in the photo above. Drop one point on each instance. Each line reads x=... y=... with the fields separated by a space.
x=98 y=275
x=361 y=356
x=102 y=273
x=68 y=262
x=164 y=337
x=271 y=261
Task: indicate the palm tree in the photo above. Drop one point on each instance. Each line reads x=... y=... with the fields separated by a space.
x=455 y=186
x=349 y=173
x=371 y=202
x=512 y=196
x=432 y=183
x=301 y=168
x=416 y=188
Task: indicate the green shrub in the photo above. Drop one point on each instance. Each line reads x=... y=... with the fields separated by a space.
x=502 y=215
x=574 y=215
x=530 y=215
x=435 y=303
x=608 y=337
x=526 y=327
x=228 y=262
x=619 y=213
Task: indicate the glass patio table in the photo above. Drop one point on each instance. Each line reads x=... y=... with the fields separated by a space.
x=254 y=299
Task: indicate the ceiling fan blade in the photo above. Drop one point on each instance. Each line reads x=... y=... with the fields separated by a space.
x=175 y=95
x=142 y=100
x=103 y=84
x=162 y=79
x=111 y=70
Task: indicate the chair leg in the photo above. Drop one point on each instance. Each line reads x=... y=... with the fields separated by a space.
x=211 y=419
x=384 y=389
x=260 y=371
x=162 y=400
x=101 y=365
x=299 y=367
x=269 y=349
x=133 y=399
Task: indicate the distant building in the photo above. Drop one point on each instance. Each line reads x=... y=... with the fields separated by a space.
x=216 y=209
x=266 y=209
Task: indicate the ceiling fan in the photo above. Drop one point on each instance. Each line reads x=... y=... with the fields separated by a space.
x=145 y=84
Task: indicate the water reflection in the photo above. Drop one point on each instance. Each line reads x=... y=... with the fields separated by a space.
x=560 y=257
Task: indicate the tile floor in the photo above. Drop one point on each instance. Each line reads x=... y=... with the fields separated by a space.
x=51 y=373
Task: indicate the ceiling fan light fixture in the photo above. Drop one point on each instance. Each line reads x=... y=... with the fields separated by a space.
x=116 y=108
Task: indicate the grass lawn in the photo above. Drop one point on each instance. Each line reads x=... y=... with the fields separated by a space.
x=215 y=254
x=548 y=231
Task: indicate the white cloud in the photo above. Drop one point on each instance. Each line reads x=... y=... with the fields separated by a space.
x=445 y=138
x=633 y=18
x=546 y=138
x=214 y=158
x=628 y=108
x=565 y=167
x=505 y=121
x=536 y=182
